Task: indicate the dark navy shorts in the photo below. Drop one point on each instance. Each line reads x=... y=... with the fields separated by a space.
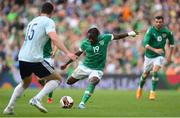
x=40 y=69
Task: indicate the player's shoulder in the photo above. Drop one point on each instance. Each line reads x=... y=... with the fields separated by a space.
x=43 y=19
x=49 y=20
x=166 y=29
x=150 y=28
x=84 y=41
x=104 y=35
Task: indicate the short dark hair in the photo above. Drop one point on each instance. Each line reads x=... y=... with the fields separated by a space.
x=47 y=8
x=159 y=17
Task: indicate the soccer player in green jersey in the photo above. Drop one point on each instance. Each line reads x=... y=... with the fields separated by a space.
x=95 y=46
x=154 y=43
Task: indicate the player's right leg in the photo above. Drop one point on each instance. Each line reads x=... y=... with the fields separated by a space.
x=26 y=73
x=79 y=73
x=147 y=67
x=71 y=80
x=152 y=95
x=157 y=64
x=141 y=84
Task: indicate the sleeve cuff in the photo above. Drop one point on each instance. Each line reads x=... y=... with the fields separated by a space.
x=80 y=50
x=147 y=45
x=112 y=36
x=171 y=45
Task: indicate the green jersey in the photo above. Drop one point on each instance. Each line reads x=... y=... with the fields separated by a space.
x=157 y=39
x=96 y=53
x=47 y=49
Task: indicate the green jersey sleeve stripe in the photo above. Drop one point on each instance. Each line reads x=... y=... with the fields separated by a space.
x=112 y=36
x=80 y=50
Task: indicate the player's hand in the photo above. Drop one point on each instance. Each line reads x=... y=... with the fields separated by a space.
x=159 y=51
x=168 y=60
x=53 y=54
x=63 y=67
x=72 y=56
x=132 y=33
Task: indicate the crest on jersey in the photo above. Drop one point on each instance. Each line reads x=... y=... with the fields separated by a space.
x=159 y=38
x=101 y=42
x=164 y=35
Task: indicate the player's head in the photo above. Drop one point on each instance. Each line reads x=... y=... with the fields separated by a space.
x=47 y=8
x=159 y=21
x=93 y=34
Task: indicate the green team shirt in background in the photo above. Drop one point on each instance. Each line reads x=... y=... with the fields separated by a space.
x=47 y=49
x=157 y=39
x=96 y=53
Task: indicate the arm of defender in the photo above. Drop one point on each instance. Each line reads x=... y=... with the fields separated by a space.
x=60 y=45
x=70 y=61
x=123 y=35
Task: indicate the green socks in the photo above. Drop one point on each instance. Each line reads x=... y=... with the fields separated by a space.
x=142 y=81
x=50 y=95
x=154 y=81
x=87 y=94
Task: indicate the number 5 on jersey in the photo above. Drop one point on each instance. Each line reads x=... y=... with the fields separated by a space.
x=30 y=31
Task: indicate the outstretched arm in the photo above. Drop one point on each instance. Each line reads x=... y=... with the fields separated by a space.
x=70 y=61
x=123 y=35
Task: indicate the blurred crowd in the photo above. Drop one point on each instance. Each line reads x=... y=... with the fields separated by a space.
x=74 y=17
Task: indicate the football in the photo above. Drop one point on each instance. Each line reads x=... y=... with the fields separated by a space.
x=66 y=102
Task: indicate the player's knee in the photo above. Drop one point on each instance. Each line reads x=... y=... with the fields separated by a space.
x=25 y=84
x=55 y=76
x=145 y=74
x=71 y=81
x=94 y=80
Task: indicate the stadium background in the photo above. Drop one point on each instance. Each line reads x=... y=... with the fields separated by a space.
x=73 y=18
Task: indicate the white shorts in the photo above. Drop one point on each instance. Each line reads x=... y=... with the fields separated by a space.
x=50 y=61
x=82 y=72
x=150 y=62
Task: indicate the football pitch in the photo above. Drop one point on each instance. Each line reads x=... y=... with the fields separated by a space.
x=103 y=103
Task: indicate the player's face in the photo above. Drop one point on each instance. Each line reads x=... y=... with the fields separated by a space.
x=159 y=23
x=92 y=38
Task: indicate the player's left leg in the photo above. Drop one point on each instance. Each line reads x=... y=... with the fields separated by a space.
x=94 y=78
x=155 y=79
x=50 y=99
x=89 y=91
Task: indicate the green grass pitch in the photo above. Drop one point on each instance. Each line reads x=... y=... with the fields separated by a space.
x=103 y=103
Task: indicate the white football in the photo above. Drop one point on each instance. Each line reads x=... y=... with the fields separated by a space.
x=66 y=102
